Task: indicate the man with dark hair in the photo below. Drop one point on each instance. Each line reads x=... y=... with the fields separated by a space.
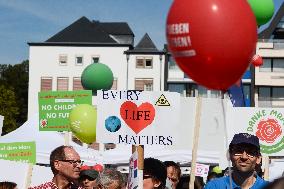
x=173 y=173
x=65 y=164
x=245 y=154
x=154 y=174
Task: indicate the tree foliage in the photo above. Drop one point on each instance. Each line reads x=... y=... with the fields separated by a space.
x=8 y=109
x=15 y=78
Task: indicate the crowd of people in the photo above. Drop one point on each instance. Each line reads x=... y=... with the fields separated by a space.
x=245 y=173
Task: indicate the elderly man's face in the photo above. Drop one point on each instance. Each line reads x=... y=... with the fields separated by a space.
x=244 y=157
x=70 y=167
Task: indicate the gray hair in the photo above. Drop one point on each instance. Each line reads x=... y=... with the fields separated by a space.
x=109 y=176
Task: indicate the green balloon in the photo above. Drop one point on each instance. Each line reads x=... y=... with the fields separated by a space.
x=96 y=77
x=262 y=9
x=83 y=121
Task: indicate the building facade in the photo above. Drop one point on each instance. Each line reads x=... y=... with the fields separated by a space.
x=269 y=78
x=57 y=63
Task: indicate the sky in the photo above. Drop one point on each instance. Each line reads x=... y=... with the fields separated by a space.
x=23 y=21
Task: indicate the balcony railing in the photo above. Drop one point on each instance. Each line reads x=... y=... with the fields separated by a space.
x=271 y=102
x=277 y=43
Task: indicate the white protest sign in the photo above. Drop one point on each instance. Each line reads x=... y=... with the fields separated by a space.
x=14 y=172
x=133 y=171
x=201 y=170
x=276 y=169
x=138 y=118
x=266 y=123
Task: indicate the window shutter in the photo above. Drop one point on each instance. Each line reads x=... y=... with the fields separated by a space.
x=46 y=84
x=62 y=84
x=139 y=84
x=77 y=85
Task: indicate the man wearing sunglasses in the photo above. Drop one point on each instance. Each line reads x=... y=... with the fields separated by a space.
x=244 y=151
x=88 y=177
x=65 y=164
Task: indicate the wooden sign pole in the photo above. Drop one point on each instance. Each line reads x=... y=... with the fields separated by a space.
x=67 y=138
x=29 y=176
x=140 y=151
x=266 y=167
x=195 y=142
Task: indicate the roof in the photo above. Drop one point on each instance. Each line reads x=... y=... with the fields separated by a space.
x=84 y=31
x=145 y=46
x=272 y=28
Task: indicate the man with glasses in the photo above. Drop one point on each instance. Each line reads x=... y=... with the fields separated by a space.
x=244 y=151
x=65 y=164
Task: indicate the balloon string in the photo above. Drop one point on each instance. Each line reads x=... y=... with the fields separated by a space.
x=226 y=138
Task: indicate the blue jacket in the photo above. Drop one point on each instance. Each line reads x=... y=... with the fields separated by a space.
x=224 y=183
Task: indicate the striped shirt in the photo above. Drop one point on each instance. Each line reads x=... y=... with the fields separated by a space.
x=52 y=185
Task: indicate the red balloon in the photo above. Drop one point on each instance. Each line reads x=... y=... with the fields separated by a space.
x=98 y=167
x=212 y=41
x=257 y=60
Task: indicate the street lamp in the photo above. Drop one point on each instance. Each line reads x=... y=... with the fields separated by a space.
x=127 y=60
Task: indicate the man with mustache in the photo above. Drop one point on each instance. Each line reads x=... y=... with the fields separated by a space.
x=245 y=154
x=65 y=164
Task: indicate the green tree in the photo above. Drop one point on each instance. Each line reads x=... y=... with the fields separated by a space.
x=9 y=109
x=16 y=78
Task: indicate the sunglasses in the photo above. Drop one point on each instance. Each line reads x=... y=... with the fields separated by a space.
x=250 y=152
x=73 y=162
x=87 y=177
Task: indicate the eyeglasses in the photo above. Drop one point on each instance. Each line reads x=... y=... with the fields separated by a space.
x=73 y=162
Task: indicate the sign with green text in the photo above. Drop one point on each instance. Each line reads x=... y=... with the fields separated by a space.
x=265 y=123
x=18 y=151
x=55 y=106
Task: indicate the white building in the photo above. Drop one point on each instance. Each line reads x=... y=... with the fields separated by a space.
x=269 y=78
x=57 y=63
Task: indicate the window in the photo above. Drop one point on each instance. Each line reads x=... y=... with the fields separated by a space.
x=114 y=84
x=267 y=64
x=278 y=65
x=77 y=85
x=46 y=84
x=62 y=83
x=95 y=59
x=272 y=65
x=144 y=84
x=148 y=87
x=270 y=96
x=79 y=60
x=144 y=62
x=62 y=59
x=176 y=87
x=202 y=91
x=172 y=63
